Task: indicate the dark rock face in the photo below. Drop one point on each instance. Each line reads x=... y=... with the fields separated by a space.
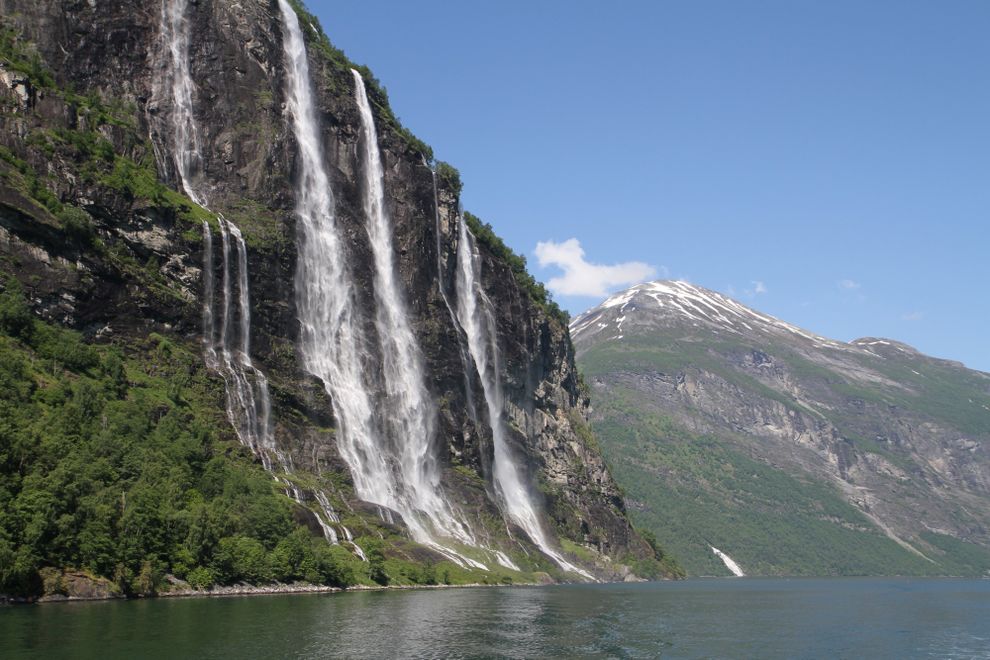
x=148 y=277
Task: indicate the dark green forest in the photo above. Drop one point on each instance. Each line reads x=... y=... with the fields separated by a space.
x=113 y=462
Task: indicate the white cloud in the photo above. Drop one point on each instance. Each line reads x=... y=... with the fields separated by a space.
x=757 y=288
x=849 y=285
x=913 y=316
x=583 y=278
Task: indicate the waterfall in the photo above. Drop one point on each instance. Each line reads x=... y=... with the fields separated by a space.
x=474 y=312
x=248 y=403
x=246 y=387
x=185 y=137
x=468 y=389
x=386 y=443
x=728 y=561
x=411 y=415
x=209 y=324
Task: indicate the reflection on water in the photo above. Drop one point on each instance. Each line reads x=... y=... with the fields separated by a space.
x=698 y=618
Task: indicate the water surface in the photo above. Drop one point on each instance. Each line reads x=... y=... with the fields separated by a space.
x=731 y=618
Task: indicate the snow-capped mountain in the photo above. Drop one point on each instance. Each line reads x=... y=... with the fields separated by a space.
x=822 y=456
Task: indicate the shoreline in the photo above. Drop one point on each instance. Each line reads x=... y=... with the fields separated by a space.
x=277 y=589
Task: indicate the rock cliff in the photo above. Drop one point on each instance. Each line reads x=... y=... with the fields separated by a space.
x=95 y=228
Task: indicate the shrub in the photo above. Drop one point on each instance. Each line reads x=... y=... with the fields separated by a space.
x=200 y=578
x=16 y=319
x=77 y=225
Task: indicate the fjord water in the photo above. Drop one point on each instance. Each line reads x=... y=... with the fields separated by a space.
x=722 y=618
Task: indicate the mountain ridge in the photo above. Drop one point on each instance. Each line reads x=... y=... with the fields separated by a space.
x=900 y=437
x=686 y=291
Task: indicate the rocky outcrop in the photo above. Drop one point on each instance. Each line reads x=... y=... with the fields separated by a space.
x=92 y=225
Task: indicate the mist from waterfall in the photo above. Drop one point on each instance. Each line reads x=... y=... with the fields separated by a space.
x=475 y=315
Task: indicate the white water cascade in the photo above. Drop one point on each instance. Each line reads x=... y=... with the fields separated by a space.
x=386 y=443
x=474 y=312
x=248 y=403
x=411 y=414
x=729 y=562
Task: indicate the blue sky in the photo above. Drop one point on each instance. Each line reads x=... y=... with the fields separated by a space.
x=825 y=162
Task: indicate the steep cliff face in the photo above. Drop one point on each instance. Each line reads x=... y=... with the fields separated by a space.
x=822 y=456
x=94 y=227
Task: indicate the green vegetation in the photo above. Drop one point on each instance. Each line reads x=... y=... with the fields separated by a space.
x=85 y=148
x=21 y=56
x=111 y=462
x=660 y=565
x=958 y=557
x=118 y=461
x=536 y=291
x=696 y=491
x=448 y=177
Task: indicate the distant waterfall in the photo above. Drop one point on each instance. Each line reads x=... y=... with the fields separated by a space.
x=728 y=561
x=474 y=312
x=248 y=402
x=388 y=451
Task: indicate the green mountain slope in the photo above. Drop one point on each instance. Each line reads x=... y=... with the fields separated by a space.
x=794 y=454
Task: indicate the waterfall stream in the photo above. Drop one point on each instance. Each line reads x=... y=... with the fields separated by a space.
x=728 y=561
x=468 y=389
x=248 y=403
x=474 y=312
x=364 y=351
x=411 y=414
x=384 y=440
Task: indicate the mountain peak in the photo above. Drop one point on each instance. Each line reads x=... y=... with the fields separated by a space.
x=673 y=302
x=877 y=344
